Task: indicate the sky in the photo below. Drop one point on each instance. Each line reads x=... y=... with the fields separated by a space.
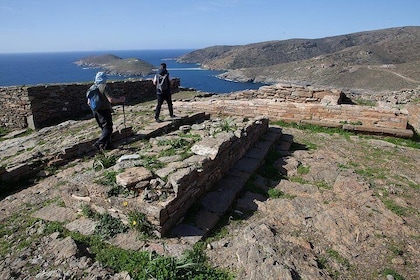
x=91 y=25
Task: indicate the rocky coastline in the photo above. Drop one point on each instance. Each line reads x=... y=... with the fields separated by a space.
x=117 y=66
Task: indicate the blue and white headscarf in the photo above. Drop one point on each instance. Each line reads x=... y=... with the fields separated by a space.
x=100 y=78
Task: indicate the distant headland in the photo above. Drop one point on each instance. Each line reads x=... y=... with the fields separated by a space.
x=117 y=66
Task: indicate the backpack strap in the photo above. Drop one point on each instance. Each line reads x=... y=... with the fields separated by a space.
x=163 y=79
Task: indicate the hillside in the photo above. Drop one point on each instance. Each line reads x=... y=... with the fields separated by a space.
x=325 y=205
x=381 y=60
x=116 y=65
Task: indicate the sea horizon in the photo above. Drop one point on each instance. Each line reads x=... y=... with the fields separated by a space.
x=38 y=68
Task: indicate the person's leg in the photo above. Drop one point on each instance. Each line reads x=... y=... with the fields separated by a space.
x=170 y=106
x=107 y=130
x=158 y=106
x=104 y=118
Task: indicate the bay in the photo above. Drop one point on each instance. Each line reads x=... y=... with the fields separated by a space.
x=50 y=68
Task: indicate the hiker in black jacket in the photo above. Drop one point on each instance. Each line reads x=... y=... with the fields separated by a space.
x=163 y=91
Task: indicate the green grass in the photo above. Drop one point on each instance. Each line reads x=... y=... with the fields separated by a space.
x=103 y=161
x=411 y=143
x=3 y=131
x=145 y=265
x=392 y=272
x=151 y=162
x=276 y=193
x=139 y=264
x=323 y=185
x=365 y=102
x=302 y=170
x=397 y=209
x=226 y=125
x=299 y=180
x=109 y=178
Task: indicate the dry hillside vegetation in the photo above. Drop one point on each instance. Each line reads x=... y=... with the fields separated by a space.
x=381 y=60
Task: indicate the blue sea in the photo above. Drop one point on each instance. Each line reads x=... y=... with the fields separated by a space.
x=59 y=67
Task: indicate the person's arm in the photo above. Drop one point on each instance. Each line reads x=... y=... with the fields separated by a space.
x=114 y=100
x=111 y=98
x=155 y=80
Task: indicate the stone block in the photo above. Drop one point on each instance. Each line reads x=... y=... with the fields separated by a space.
x=133 y=175
x=218 y=201
x=206 y=220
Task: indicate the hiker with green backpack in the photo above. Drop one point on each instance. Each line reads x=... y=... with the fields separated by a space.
x=163 y=90
x=100 y=100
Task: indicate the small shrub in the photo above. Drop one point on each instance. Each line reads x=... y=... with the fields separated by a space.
x=298 y=179
x=275 y=193
x=151 y=162
x=109 y=226
x=109 y=178
x=88 y=212
x=302 y=169
x=139 y=222
x=103 y=161
x=174 y=143
x=225 y=125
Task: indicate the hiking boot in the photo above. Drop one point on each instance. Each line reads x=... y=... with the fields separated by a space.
x=173 y=116
x=158 y=120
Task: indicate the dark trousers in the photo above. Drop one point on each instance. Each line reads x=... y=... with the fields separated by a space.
x=165 y=96
x=104 y=120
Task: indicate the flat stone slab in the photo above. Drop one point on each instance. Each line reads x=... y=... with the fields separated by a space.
x=133 y=175
x=248 y=165
x=83 y=225
x=232 y=182
x=128 y=241
x=256 y=153
x=218 y=201
x=206 y=220
x=55 y=213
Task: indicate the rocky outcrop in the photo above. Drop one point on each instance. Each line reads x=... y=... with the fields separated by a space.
x=117 y=66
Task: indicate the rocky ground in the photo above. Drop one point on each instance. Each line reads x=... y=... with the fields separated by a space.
x=349 y=209
x=336 y=206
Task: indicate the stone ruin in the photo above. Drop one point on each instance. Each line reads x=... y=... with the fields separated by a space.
x=167 y=192
x=168 y=167
x=309 y=105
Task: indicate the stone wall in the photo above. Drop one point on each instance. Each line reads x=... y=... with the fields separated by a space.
x=213 y=158
x=15 y=107
x=306 y=105
x=414 y=116
x=45 y=105
x=299 y=94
